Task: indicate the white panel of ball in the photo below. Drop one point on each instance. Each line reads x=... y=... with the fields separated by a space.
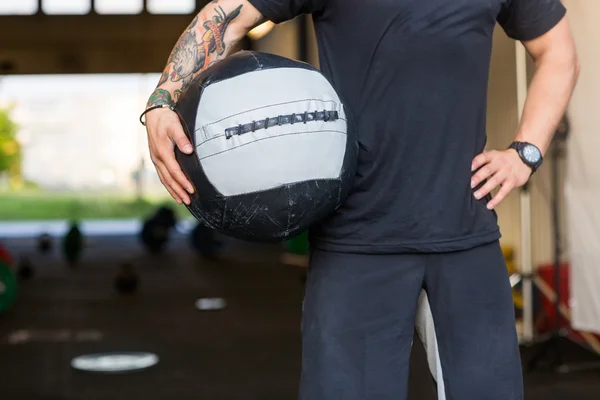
x=280 y=155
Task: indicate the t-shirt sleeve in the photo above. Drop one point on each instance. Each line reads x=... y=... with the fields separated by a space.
x=529 y=19
x=284 y=10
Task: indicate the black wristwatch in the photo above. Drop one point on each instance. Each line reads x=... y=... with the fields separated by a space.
x=529 y=153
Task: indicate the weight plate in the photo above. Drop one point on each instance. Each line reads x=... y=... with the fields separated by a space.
x=5 y=256
x=8 y=287
x=299 y=244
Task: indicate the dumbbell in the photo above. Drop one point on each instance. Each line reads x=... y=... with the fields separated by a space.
x=44 y=243
x=126 y=281
x=204 y=241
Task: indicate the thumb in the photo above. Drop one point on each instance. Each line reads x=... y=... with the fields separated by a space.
x=180 y=139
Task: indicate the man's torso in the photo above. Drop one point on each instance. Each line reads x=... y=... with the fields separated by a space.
x=414 y=75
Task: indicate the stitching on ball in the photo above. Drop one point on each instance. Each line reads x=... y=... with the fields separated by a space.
x=261 y=139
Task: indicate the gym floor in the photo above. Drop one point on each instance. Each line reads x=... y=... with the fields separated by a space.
x=250 y=350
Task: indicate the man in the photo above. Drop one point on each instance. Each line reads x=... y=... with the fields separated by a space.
x=421 y=215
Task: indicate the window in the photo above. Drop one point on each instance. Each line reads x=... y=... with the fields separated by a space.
x=66 y=6
x=119 y=6
x=18 y=7
x=171 y=6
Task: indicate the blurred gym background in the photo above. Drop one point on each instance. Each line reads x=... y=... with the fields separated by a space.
x=109 y=290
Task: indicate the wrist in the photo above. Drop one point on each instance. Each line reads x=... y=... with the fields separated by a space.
x=160 y=97
x=155 y=107
x=538 y=142
x=529 y=153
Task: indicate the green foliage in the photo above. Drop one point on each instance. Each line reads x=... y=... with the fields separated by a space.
x=34 y=205
x=10 y=149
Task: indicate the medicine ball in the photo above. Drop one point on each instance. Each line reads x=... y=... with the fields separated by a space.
x=275 y=149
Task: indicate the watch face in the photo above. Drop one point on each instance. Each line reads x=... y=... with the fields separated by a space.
x=531 y=154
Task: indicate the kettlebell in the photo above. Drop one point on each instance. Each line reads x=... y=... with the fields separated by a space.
x=126 y=281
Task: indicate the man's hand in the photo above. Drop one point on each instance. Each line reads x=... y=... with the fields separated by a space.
x=500 y=168
x=164 y=133
x=557 y=69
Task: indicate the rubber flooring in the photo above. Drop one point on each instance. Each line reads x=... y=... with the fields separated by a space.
x=250 y=350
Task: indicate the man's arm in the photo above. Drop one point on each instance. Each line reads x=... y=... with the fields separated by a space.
x=208 y=39
x=557 y=70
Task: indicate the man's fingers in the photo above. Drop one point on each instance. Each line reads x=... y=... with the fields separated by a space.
x=180 y=139
x=507 y=186
x=499 y=168
x=171 y=184
x=483 y=173
x=481 y=160
x=497 y=179
x=177 y=174
x=485 y=164
x=164 y=133
x=166 y=156
x=171 y=192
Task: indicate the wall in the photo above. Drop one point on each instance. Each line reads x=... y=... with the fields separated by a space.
x=582 y=173
x=281 y=40
x=502 y=122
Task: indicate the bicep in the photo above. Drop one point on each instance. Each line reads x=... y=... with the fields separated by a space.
x=231 y=17
x=558 y=41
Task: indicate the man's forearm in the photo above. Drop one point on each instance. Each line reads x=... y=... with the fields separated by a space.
x=548 y=97
x=206 y=40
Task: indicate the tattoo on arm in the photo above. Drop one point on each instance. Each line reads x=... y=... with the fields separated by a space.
x=192 y=53
x=160 y=96
x=163 y=78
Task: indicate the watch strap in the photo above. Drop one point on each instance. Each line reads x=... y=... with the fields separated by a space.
x=518 y=146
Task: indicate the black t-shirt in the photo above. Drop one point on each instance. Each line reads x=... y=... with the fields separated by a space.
x=414 y=74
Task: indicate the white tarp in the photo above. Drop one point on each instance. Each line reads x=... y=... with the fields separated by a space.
x=582 y=183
